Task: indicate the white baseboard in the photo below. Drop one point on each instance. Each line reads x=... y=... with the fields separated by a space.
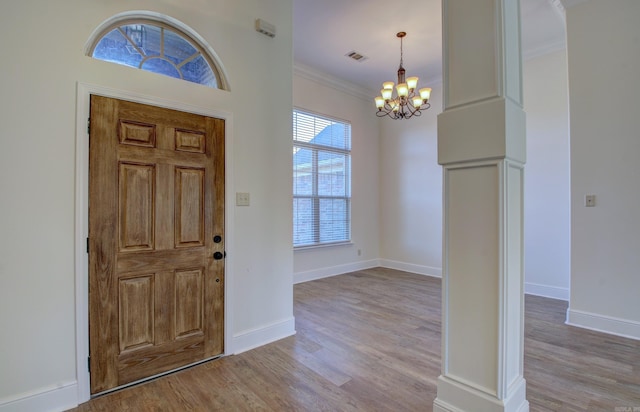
x=457 y=395
x=546 y=291
x=251 y=339
x=602 y=323
x=50 y=399
x=536 y=289
x=412 y=268
x=334 y=270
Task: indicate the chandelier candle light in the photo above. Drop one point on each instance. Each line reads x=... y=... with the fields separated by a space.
x=407 y=103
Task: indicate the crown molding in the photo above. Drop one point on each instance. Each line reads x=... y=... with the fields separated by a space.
x=567 y=4
x=545 y=49
x=433 y=81
x=336 y=83
x=558 y=7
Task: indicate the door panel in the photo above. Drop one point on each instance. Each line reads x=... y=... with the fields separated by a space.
x=189 y=303
x=189 y=201
x=136 y=312
x=156 y=200
x=136 y=206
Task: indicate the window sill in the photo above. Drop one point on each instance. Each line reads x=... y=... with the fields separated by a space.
x=322 y=246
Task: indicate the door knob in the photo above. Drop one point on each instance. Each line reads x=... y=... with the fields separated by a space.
x=218 y=255
x=217 y=239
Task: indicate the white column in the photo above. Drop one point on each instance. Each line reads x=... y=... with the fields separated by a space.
x=481 y=145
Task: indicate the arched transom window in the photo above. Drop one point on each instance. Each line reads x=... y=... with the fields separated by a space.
x=158 y=47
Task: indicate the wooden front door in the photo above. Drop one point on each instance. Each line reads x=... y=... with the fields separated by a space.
x=156 y=240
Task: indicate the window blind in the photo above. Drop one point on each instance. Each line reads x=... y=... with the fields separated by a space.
x=321 y=180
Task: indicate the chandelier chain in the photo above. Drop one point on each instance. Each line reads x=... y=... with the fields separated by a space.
x=401 y=51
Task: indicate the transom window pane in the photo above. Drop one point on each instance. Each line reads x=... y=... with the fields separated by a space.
x=156 y=48
x=321 y=180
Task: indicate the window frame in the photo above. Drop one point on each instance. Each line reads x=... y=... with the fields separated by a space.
x=315 y=197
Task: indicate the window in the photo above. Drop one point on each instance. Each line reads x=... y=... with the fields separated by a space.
x=158 y=47
x=321 y=180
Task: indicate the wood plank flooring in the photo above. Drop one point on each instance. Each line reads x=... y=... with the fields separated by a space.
x=370 y=341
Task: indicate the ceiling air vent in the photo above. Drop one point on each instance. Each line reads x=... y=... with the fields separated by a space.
x=356 y=56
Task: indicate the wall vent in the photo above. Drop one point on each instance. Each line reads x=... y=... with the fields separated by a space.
x=359 y=57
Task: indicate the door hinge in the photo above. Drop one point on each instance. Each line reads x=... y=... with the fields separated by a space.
x=87 y=245
x=88 y=125
x=89 y=363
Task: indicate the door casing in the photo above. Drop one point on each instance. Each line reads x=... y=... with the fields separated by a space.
x=84 y=91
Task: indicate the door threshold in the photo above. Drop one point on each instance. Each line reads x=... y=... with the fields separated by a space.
x=154 y=377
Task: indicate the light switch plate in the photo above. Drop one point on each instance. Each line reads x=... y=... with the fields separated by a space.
x=242 y=199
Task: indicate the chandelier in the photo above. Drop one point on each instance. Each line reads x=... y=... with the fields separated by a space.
x=407 y=103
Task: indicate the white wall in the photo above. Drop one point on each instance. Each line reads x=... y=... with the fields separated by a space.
x=547 y=183
x=411 y=191
x=43 y=43
x=411 y=184
x=321 y=94
x=604 y=85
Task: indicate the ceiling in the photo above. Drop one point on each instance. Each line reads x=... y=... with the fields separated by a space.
x=324 y=31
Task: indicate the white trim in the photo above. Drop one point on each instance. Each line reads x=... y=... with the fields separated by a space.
x=84 y=91
x=254 y=338
x=345 y=86
x=567 y=4
x=559 y=8
x=333 y=82
x=412 y=268
x=536 y=289
x=547 y=291
x=52 y=398
x=329 y=271
x=454 y=395
x=602 y=323
x=544 y=50
x=322 y=246
x=434 y=80
x=81 y=234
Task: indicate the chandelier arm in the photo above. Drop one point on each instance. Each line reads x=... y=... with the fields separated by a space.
x=387 y=111
x=405 y=111
x=411 y=110
x=418 y=111
x=415 y=113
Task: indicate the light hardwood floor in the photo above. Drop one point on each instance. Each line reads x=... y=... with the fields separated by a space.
x=370 y=341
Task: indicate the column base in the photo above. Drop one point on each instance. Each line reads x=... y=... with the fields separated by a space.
x=454 y=396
